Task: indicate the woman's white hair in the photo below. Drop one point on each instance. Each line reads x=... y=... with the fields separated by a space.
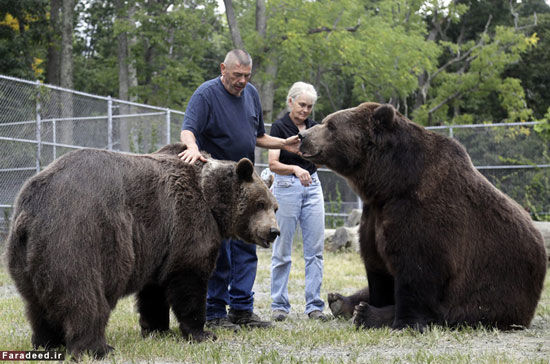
x=300 y=88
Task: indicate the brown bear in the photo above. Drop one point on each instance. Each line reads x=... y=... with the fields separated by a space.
x=97 y=225
x=440 y=244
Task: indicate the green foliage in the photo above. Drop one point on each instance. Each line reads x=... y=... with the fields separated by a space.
x=174 y=50
x=544 y=128
x=465 y=89
x=351 y=51
x=512 y=99
x=175 y=46
x=23 y=25
x=532 y=68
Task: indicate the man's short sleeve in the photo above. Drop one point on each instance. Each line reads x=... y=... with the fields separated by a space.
x=260 y=131
x=196 y=114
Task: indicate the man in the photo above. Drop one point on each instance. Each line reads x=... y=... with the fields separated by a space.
x=224 y=118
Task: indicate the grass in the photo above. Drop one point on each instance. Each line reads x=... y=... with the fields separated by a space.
x=299 y=340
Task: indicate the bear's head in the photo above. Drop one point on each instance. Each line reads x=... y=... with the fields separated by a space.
x=244 y=206
x=371 y=144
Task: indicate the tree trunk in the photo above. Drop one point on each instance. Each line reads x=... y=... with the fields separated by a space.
x=261 y=19
x=266 y=88
x=67 y=44
x=66 y=75
x=233 y=26
x=268 y=66
x=53 y=62
x=127 y=76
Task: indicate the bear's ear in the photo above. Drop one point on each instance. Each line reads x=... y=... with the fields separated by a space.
x=385 y=115
x=245 y=168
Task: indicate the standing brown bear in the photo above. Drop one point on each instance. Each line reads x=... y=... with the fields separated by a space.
x=97 y=225
x=440 y=244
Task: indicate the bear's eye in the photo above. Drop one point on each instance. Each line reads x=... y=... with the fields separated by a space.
x=261 y=206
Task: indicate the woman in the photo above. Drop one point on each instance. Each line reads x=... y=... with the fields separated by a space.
x=300 y=197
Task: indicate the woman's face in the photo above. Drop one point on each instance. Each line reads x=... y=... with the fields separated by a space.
x=300 y=107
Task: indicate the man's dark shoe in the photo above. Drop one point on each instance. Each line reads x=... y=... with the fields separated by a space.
x=317 y=315
x=222 y=323
x=279 y=315
x=248 y=319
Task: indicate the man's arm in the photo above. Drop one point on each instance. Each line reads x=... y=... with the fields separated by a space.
x=291 y=144
x=192 y=153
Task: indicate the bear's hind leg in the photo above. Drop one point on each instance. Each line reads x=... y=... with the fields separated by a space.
x=341 y=306
x=153 y=309
x=416 y=306
x=367 y=316
x=381 y=288
x=84 y=324
x=45 y=334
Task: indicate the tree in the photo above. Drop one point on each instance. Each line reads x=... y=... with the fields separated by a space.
x=22 y=49
x=176 y=46
x=532 y=68
x=468 y=85
x=67 y=29
x=325 y=43
x=53 y=60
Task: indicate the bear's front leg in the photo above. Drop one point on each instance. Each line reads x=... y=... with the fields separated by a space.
x=153 y=309
x=186 y=294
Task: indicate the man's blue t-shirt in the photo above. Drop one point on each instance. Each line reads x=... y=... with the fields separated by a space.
x=226 y=126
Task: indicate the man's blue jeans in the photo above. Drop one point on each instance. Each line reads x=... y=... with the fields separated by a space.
x=306 y=206
x=232 y=280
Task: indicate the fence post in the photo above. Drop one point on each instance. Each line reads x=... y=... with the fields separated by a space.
x=109 y=123
x=54 y=139
x=168 y=126
x=451 y=134
x=38 y=128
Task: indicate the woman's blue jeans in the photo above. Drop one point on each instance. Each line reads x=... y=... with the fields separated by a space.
x=305 y=205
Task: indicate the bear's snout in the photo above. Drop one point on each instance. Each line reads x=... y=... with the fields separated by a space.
x=273 y=233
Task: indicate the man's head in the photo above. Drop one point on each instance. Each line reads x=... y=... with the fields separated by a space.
x=236 y=70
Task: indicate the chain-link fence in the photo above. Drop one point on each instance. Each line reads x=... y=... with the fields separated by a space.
x=39 y=123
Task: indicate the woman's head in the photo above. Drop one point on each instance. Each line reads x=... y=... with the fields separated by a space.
x=300 y=100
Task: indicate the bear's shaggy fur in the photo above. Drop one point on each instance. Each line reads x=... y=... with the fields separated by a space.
x=97 y=225
x=440 y=244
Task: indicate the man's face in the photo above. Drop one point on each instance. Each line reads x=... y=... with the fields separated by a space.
x=235 y=77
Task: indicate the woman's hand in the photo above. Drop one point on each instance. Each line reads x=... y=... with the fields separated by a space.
x=303 y=176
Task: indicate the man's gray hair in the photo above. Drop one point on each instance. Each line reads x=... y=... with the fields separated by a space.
x=299 y=88
x=237 y=56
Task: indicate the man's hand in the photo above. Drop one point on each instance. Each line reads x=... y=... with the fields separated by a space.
x=292 y=144
x=190 y=155
x=303 y=176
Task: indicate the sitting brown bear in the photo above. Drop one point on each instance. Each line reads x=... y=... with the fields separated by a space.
x=440 y=244
x=97 y=225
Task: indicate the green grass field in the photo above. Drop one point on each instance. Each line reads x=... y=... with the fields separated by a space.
x=300 y=340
